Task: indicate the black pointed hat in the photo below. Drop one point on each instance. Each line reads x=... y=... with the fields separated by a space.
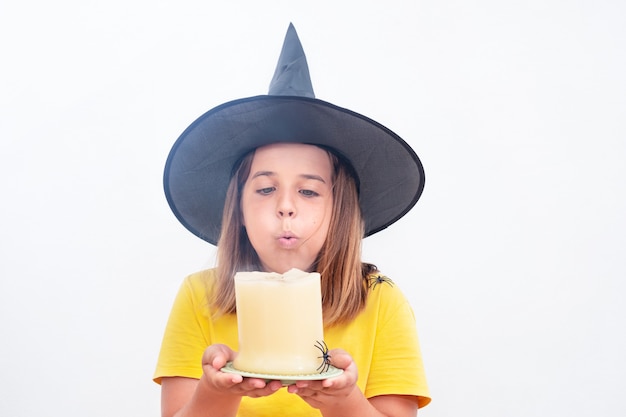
x=200 y=164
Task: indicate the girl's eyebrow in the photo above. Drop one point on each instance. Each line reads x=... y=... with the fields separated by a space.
x=262 y=174
x=313 y=177
x=273 y=174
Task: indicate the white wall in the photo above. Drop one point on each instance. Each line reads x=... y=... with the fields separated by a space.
x=513 y=258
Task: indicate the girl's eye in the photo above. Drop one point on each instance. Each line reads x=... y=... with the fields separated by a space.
x=308 y=193
x=266 y=190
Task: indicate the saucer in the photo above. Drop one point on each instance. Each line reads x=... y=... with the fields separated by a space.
x=331 y=372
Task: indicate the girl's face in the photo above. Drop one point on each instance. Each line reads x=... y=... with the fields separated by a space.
x=287 y=203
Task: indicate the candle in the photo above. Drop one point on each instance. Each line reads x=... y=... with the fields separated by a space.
x=279 y=320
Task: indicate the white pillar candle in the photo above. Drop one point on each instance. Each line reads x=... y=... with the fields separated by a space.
x=279 y=321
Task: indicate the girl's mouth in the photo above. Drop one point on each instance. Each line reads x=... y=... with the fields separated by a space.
x=287 y=240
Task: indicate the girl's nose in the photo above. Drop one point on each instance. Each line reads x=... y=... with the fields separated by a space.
x=286 y=207
x=282 y=213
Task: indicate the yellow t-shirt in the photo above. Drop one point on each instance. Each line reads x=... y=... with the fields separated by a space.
x=382 y=341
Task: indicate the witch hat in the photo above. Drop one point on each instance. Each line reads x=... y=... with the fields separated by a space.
x=389 y=174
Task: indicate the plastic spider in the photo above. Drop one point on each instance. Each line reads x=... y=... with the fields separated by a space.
x=325 y=365
x=378 y=279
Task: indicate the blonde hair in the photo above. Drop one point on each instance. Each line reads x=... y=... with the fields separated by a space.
x=344 y=276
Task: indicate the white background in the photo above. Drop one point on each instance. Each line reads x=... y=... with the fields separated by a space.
x=513 y=259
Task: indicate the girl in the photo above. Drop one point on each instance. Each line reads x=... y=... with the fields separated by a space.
x=292 y=189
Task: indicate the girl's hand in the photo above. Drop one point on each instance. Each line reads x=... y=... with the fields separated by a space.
x=222 y=383
x=330 y=393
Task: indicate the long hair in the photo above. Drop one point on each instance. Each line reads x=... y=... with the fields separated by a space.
x=343 y=275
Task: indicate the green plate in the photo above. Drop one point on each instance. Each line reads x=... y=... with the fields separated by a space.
x=285 y=379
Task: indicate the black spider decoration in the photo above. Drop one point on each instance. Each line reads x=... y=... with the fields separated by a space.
x=378 y=279
x=325 y=365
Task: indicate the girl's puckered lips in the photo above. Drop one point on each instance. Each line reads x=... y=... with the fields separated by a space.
x=287 y=240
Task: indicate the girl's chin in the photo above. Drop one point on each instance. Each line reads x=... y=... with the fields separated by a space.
x=284 y=267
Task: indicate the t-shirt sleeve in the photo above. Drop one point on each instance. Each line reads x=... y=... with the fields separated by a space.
x=184 y=339
x=397 y=366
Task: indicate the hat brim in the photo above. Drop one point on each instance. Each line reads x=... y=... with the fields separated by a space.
x=200 y=164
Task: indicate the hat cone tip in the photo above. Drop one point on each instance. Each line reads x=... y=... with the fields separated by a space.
x=291 y=77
